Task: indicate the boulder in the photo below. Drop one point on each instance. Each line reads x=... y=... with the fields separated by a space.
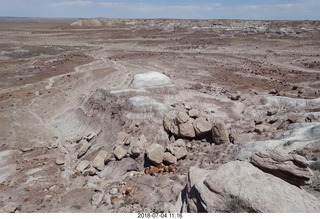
x=220 y=133
x=100 y=159
x=291 y=168
x=182 y=117
x=186 y=130
x=202 y=126
x=194 y=113
x=155 y=153
x=119 y=152
x=241 y=187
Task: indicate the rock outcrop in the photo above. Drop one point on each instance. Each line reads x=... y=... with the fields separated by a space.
x=187 y=125
x=291 y=168
x=241 y=187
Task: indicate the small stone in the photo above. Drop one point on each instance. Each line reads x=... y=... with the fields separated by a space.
x=113 y=191
x=91 y=136
x=59 y=161
x=261 y=128
x=234 y=97
x=273 y=91
x=27 y=149
x=89 y=172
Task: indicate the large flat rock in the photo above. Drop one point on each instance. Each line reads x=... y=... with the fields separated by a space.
x=240 y=187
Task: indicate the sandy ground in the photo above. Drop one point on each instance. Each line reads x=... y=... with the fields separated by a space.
x=48 y=69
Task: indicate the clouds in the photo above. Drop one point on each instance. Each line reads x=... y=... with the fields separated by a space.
x=72 y=3
x=159 y=7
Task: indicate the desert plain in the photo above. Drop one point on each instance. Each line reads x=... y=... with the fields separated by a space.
x=159 y=115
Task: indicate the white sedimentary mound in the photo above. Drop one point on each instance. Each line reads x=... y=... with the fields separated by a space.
x=151 y=79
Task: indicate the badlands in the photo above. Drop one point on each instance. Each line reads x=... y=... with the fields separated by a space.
x=117 y=115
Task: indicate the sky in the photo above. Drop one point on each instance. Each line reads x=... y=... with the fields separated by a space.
x=188 y=9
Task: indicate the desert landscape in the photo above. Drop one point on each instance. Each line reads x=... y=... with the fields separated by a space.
x=159 y=115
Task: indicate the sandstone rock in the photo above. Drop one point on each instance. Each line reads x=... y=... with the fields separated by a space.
x=119 y=152
x=186 y=129
x=241 y=187
x=155 y=153
x=84 y=164
x=202 y=126
x=122 y=138
x=178 y=149
x=170 y=125
x=169 y=158
x=83 y=149
x=291 y=168
x=220 y=133
x=100 y=159
x=194 y=113
x=182 y=117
